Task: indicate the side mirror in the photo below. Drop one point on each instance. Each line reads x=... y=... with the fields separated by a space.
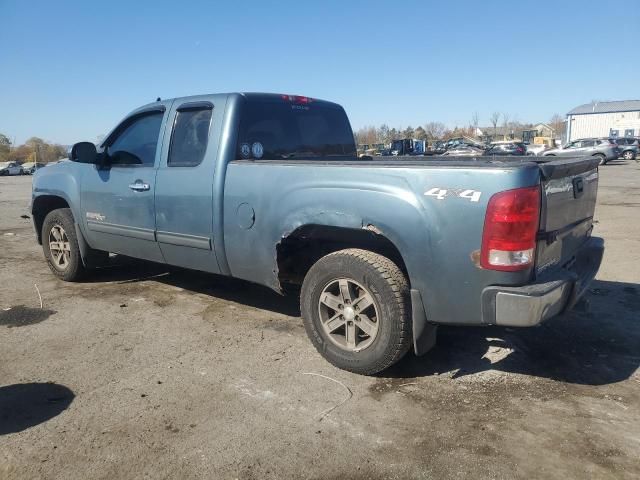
x=84 y=152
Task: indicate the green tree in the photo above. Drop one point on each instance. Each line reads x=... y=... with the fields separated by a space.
x=409 y=132
x=420 y=133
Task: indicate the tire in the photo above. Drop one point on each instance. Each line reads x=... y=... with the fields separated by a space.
x=628 y=155
x=373 y=280
x=59 y=227
x=603 y=158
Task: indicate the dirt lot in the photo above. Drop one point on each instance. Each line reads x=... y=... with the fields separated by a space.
x=146 y=372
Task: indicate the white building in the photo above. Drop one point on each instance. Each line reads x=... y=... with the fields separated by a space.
x=604 y=119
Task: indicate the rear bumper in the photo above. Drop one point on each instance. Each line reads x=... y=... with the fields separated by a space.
x=551 y=294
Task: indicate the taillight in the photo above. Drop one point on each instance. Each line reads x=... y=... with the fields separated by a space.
x=297 y=99
x=510 y=228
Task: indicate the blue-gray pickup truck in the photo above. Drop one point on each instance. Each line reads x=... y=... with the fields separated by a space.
x=269 y=188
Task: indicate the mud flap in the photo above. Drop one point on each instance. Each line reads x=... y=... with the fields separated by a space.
x=424 y=333
x=82 y=245
x=90 y=258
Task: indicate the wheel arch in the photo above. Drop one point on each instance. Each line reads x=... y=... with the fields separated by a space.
x=42 y=206
x=302 y=247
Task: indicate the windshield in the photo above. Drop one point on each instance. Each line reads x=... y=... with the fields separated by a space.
x=276 y=129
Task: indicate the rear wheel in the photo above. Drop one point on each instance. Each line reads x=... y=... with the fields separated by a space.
x=60 y=245
x=602 y=158
x=355 y=306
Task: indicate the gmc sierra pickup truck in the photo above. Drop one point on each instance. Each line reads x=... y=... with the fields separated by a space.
x=269 y=188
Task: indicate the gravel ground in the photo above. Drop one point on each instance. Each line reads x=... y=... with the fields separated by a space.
x=149 y=372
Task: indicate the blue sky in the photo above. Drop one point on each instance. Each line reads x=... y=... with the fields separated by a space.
x=70 y=70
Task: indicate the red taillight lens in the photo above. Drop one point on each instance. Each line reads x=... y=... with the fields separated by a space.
x=297 y=99
x=510 y=228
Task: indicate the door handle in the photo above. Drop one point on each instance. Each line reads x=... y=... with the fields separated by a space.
x=139 y=187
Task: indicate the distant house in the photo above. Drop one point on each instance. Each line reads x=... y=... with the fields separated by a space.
x=604 y=119
x=491 y=134
x=526 y=134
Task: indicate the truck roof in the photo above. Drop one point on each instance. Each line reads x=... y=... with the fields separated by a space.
x=249 y=95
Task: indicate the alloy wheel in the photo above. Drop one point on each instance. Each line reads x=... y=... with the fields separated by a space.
x=349 y=314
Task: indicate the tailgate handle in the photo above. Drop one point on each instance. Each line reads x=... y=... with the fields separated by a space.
x=578 y=187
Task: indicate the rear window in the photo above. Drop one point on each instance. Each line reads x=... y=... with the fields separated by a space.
x=281 y=129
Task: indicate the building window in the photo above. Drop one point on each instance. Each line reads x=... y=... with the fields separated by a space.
x=614 y=133
x=628 y=132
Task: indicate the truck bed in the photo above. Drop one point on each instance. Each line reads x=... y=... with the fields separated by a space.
x=549 y=166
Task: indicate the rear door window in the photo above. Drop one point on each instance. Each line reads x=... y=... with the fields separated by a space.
x=280 y=129
x=190 y=136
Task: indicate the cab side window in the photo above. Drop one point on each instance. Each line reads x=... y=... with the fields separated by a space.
x=137 y=142
x=190 y=136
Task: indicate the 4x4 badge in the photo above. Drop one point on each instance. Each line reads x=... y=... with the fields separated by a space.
x=442 y=193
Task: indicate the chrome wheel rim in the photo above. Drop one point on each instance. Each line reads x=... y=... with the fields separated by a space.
x=628 y=155
x=348 y=314
x=59 y=247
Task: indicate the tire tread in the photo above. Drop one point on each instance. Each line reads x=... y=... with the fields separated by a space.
x=391 y=274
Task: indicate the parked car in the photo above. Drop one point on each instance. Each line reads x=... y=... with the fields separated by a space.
x=10 y=168
x=463 y=150
x=268 y=188
x=603 y=149
x=438 y=147
x=628 y=146
x=536 y=148
x=30 y=168
x=506 y=148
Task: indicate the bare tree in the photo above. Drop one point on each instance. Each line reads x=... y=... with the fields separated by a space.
x=475 y=120
x=367 y=135
x=506 y=123
x=494 y=119
x=435 y=130
x=384 y=134
x=5 y=147
x=557 y=124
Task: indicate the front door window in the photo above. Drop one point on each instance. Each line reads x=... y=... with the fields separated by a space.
x=137 y=142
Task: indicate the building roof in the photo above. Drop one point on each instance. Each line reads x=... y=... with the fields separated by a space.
x=607 y=107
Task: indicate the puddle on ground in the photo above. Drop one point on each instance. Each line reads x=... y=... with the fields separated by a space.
x=21 y=316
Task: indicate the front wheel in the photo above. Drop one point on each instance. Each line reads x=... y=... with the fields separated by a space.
x=628 y=155
x=60 y=245
x=356 y=310
x=602 y=158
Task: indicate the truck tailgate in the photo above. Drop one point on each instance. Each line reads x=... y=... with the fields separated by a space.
x=569 y=189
